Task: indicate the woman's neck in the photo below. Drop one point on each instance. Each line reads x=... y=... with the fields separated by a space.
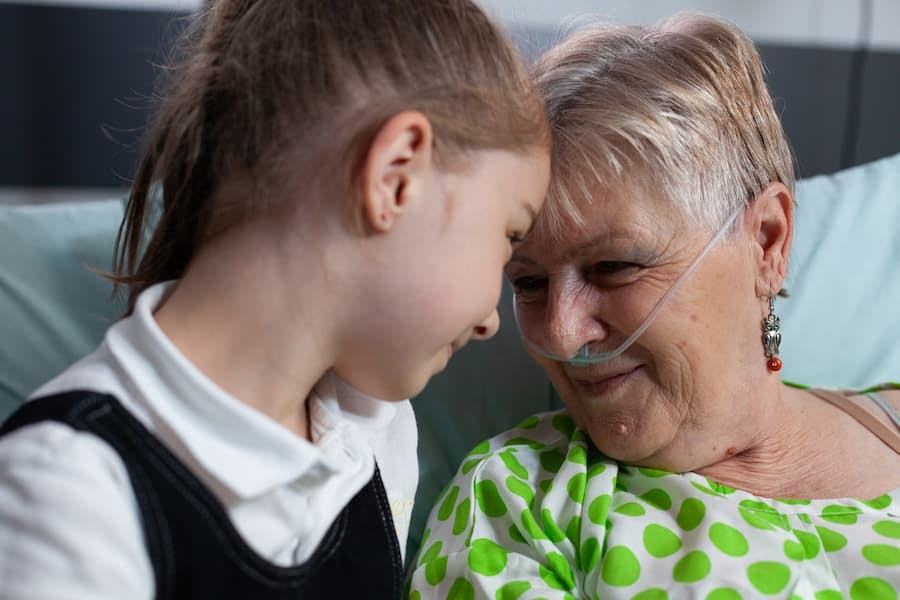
x=802 y=447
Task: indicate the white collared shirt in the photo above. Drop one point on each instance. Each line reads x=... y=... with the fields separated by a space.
x=69 y=524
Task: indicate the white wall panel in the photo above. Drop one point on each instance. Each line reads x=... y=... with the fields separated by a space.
x=829 y=23
x=886 y=25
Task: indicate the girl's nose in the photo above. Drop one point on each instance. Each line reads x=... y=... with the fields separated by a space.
x=487 y=328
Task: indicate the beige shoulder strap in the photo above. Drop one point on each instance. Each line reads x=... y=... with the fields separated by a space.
x=861 y=410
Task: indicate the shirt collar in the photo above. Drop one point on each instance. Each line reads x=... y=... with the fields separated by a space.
x=241 y=448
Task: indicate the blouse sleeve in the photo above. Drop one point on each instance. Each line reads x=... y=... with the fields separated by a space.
x=68 y=521
x=511 y=523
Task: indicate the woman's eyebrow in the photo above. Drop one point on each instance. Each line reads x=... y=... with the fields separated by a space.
x=590 y=245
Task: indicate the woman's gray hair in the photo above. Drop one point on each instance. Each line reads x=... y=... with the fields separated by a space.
x=678 y=109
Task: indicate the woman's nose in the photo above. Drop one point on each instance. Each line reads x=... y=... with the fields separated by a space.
x=487 y=328
x=570 y=321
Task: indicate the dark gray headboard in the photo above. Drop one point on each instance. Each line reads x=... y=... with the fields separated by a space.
x=76 y=83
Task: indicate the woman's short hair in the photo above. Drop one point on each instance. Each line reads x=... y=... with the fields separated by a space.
x=678 y=109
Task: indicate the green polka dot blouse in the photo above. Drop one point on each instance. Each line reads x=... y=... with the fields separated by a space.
x=534 y=513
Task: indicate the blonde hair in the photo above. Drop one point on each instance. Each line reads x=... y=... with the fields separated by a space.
x=679 y=109
x=275 y=95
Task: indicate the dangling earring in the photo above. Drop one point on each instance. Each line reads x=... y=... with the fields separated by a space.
x=772 y=337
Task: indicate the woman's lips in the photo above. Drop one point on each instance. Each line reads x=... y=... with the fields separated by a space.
x=606 y=383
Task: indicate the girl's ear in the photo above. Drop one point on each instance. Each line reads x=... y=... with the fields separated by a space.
x=395 y=169
x=772 y=214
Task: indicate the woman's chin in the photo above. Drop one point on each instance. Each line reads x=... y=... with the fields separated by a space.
x=628 y=438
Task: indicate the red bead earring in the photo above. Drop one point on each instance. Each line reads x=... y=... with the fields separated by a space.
x=772 y=338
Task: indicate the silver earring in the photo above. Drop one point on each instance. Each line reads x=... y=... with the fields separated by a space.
x=772 y=337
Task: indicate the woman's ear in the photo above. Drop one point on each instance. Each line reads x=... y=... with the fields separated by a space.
x=773 y=229
x=395 y=169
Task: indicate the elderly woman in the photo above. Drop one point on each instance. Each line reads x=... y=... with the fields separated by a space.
x=683 y=466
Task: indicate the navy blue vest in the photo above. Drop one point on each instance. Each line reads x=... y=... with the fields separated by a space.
x=195 y=550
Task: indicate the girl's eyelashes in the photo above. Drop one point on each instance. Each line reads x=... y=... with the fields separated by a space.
x=515 y=238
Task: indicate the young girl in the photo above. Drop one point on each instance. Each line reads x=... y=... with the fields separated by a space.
x=342 y=185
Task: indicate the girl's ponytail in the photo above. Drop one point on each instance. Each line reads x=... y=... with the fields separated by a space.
x=284 y=95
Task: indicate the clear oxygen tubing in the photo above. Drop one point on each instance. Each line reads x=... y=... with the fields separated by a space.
x=584 y=357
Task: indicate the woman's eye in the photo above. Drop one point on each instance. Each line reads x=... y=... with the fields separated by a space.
x=528 y=285
x=613 y=266
x=613 y=271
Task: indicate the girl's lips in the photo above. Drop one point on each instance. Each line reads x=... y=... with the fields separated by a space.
x=453 y=348
x=605 y=385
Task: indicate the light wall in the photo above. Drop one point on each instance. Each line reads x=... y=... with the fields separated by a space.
x=830 y=23
x=824 y=23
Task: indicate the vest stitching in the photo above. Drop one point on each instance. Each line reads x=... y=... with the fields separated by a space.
x=387 y=521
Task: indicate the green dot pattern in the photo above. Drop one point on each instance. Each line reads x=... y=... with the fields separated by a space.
x=514 y=466
x=537 y=513
x=873 y=588
x=769 y=577
x=724 y=593
x=487 y=557
x=660 y=541
x=520 y=489
x=461 y=590
x=529 y=423
x=512 y=590
x=691 y=513
x=729 y=540
x=632 y=509
x=489 y=499
x=553 y=531
x=890 y=529
x=652 y=594
x=692 y=567
x=461 y=520
x=447 y=505
x=621 y=567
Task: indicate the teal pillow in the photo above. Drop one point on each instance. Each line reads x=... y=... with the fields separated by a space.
x=841 y=325
x=53 y=307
